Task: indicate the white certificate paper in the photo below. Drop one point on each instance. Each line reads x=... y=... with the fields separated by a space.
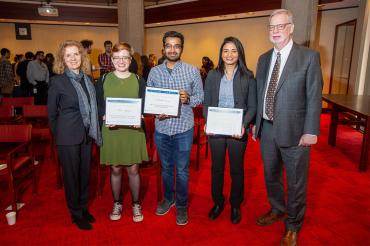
x=224 y=121
x=161 y=101
x=123 y=111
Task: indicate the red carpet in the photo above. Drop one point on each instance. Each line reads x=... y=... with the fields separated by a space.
x=338 y=211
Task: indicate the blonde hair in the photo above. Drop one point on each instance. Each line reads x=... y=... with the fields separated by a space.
x=282 y=12
x=60 y=65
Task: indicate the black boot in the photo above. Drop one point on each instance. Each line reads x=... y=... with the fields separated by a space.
x=215 y=211
x=88 y=217
x=81 y=223
x=235 y=216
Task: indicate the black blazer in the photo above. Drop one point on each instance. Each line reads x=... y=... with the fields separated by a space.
x=245 y=94
x=64 y=112
x=99 y=88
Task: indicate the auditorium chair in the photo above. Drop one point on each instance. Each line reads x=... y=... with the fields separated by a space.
x=6 y=114
x=17 y=103
x=17 y=159
x=198 y=133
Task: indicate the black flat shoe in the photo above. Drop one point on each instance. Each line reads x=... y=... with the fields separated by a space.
x=88 y=217
x=215 y=212
x=82 y=223
x=235 y=216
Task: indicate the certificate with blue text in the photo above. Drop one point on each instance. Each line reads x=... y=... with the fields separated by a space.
x=224 y=121
x=123 y=111
x=162 y=101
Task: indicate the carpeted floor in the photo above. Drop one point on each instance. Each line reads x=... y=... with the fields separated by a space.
x=338 y=211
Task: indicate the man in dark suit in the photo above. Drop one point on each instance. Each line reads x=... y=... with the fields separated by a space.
x=289 y=85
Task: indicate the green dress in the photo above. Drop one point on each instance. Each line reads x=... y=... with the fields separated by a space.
x=122 y=145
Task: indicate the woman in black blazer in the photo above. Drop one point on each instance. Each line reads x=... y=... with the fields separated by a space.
x=230 y=85
x=73 y=118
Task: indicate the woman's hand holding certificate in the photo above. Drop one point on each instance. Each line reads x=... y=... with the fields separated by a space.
x=225 y=121
x=123 y=112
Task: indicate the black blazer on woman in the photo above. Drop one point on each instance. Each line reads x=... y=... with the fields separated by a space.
x=245 y=94
x=64 y=112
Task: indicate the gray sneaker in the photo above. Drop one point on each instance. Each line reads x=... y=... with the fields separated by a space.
x=181 y=216
x=164 y=207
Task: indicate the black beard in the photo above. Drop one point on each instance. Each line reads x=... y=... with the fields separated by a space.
x=172 y=60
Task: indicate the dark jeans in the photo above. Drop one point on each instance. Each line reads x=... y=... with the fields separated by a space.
x=175 y=150
x=236 y=149
x=75 y=161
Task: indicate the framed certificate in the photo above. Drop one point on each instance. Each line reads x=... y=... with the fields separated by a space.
x=162 y=101
x=123 y=111
x=224 y=121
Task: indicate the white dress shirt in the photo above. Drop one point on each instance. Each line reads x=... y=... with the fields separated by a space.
x=284 y=53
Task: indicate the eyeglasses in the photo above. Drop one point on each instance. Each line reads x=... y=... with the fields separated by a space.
x=176 y=46
x=278 y=26
x=122 y=58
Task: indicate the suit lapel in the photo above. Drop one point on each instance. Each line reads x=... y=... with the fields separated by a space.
x=288 y=65
x=236 y=87
x=217 y=86
x=266 y=65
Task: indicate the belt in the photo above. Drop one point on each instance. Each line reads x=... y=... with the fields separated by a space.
x=268 y=121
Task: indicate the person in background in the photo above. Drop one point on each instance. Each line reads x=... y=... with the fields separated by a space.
x=87 y=44
x=231 y=85
x=26 y=86
x=105 y=60
x=152 y=60
x=289 y=85
x=146 y=66
x=38 y=76
x=73 y=119
x=162 y=58
x=135 y=64
x=6 y=74
x=174 y=135
x=49 y=61
x=17 y=59
x=124 y=147
x=207 y=65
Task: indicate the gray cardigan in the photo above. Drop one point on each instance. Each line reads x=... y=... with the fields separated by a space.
x=245 y=94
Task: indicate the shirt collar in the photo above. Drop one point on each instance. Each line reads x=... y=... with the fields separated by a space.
x=234 y=72
x=286 y=50
x=177 y=64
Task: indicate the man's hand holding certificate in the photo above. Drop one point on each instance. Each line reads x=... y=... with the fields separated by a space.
x=224 y=121
x=123 y=111
x=161 y=101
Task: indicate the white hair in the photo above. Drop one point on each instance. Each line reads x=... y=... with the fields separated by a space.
x=282 y=12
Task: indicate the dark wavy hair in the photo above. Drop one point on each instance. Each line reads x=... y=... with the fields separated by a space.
x=242 y=65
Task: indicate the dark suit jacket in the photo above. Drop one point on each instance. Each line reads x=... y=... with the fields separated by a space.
x=99 y=88
x=244 y=94
x=64 y=112
x=297 y=105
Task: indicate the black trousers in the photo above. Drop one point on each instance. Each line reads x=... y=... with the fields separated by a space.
x=41 y=93
x=75 y=161
x=236 y=149
x=295 y=159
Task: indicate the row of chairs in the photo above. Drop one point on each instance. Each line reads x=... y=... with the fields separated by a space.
x=22 y=126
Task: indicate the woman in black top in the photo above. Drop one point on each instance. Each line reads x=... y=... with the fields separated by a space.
x=230 y=85
x=73 y=118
